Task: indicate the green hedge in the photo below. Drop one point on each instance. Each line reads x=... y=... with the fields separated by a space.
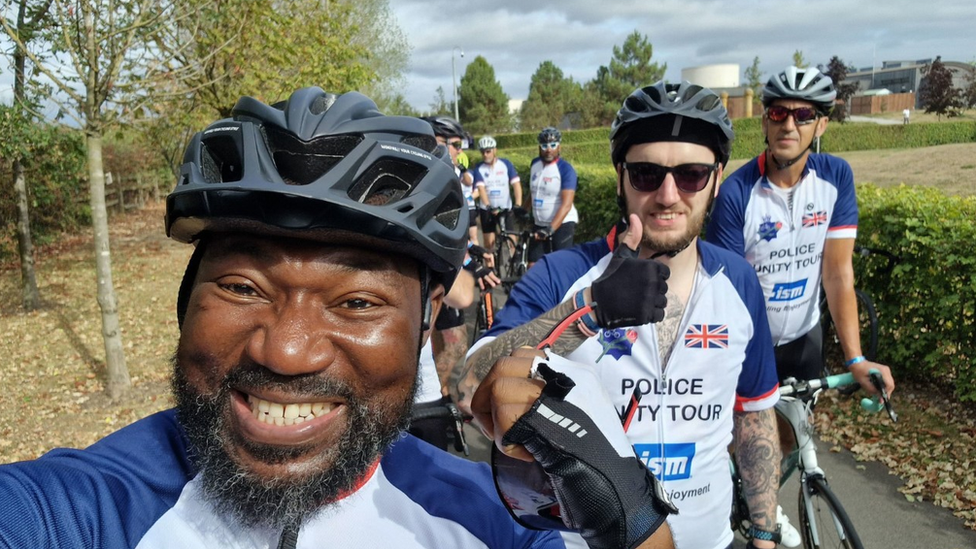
x=927 y=307
x=582 y=146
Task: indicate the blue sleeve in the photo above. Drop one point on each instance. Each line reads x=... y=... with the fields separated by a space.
x=544 y=286
x=727 y=221
x=477 y=177
x=839 y=173
x=567 y=176
x=758 y=378
x=512 y=172
x=106 y=496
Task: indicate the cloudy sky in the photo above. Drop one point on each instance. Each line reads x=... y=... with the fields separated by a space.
x=515 y=36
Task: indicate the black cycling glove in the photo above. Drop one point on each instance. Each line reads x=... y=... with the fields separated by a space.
x=477 y=269
x=612 y=501
x=631 y=292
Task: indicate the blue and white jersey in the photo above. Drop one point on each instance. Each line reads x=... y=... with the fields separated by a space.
x=546 y=182
x=782 y=232
x=496 y=178
x=722 y=361
x=136 y=488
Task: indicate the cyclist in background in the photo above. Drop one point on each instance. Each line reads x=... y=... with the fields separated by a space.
x=497 y=182
x=552 y=182
x=449 y=340
x=793 y=215
x=450 y=134
x=690 y=371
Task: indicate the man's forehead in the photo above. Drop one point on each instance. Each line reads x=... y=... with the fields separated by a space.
x=222 y=246
x=791 y=103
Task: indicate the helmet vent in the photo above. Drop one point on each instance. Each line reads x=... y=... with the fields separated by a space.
x=385 y=182
x=220 y=160
x=299 y=162
x=423 y=142
x=449 y=212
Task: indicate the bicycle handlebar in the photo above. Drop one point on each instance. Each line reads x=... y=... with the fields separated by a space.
x=803 y=388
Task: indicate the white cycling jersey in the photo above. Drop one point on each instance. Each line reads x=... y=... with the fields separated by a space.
x=138 y=488
x=722 y=361
x=497 y=178
x=782 y=232
x=547 y=181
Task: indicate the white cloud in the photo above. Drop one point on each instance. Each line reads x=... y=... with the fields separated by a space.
x=514 y=36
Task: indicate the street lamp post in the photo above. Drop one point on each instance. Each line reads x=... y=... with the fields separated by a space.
x=454 y=79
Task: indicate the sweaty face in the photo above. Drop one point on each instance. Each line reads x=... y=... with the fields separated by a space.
x=296 y=368
x=672 y=219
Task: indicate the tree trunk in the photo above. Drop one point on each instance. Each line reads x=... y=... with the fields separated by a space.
x=118 y=374
x=32 y=298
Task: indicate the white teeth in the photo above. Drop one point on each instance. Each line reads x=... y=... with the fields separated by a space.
x=291 y=411
x=275 y=413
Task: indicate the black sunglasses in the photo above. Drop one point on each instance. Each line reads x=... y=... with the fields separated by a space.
x=648 y=177
x=456 y=144
x=802 y=115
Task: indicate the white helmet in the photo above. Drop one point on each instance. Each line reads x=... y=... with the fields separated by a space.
x=487 y=142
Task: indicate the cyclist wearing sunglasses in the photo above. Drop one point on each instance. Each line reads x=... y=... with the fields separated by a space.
x=793 y=215
x=496 y=180
x=552 y=182
x=681 y=344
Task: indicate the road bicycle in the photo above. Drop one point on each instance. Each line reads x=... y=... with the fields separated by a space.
x=823 y=522
x=832 y=353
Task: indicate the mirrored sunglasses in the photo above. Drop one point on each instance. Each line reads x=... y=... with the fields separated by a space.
x=549 y=145
x=456 y=144
x=648 y=177
x=801 y=116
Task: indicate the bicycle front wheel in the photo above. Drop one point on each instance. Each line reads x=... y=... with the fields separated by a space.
x=823 y=522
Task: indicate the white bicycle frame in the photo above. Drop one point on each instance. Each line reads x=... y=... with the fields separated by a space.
x=796 y=412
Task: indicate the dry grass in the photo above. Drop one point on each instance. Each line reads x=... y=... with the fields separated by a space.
x=951 y=168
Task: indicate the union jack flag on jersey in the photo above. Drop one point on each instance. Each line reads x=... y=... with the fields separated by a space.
x=815 y=218
x=707 y=336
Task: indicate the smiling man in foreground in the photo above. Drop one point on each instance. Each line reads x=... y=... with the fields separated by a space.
x=326 y=236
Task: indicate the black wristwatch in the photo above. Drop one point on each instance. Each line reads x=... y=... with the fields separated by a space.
x=765 y=535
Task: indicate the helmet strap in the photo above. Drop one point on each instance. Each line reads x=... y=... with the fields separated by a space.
x=425 y=303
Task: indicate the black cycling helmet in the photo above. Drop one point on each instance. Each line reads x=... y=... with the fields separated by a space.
x=445 y=126
x=672 y=112
x=807 y=84
x=327 y=168
x=550 y=135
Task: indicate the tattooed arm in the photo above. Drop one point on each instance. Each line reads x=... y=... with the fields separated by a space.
x=757 y=454
x=479 y=364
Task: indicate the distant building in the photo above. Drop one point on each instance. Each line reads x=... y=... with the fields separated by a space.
x=725 y=75
x=902 y=76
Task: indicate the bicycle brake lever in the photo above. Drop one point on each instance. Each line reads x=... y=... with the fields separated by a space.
x=875 y=403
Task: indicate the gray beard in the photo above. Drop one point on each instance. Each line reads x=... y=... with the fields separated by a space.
x=277 y=503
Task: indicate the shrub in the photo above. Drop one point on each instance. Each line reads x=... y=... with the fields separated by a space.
x=927 y=306
x=56 y=189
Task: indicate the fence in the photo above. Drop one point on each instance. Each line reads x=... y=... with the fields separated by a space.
x=874 y=104
x=127 y=193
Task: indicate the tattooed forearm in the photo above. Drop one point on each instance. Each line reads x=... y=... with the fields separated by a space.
x=757 y=455
x=480 y=363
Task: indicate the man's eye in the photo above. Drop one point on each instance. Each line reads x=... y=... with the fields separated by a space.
x=358 y=304
x=239 y=289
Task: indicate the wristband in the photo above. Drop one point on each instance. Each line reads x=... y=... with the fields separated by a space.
x=765 y=535
x=591 y=327
x=855 y=360
x=467 y=260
